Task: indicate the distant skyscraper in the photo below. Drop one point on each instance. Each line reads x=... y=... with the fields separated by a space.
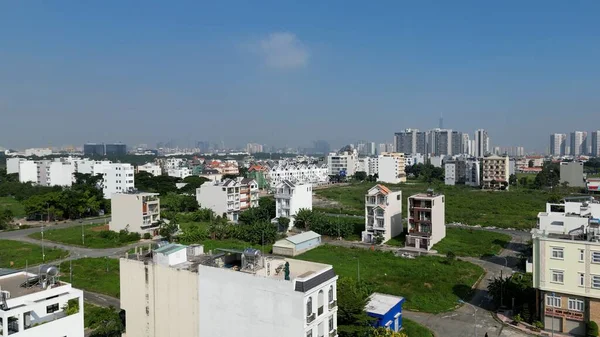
x=254 y=148
x=203 y=146
x=466 y=144
x=558 y=144
x=110 y=149
x=372 y=149
x=595 y=151
x=410 y=141
x=482 y=143
x=578 y=143
x=322 y=147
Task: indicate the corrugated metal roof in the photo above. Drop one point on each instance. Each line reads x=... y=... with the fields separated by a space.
x=170 y=248
x=303 y=237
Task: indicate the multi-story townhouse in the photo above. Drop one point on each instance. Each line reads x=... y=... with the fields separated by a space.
x=383 y=214
x=229 y=197
x=184 y=292
x=343 y=163
x=36 y=305
x=391 y=168
x=151 y=168
x=290 y=198
x=260 y=174
x=136 y=212
x=495 y=172
x=426 y=220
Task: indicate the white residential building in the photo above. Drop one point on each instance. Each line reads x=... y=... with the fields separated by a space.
x=46 y=172
x=343 y=163
x=136 y=212
x=290 y=198
x=495 y=172
x=365 y=164
x=426 y=220
x=38 y=152
x=297 y=174
x=558 y=144
x=117 y=178
x=383 y=214
x=174 y=163
x=450 y=173
x=413 y=159
x=28 y=171
x=151 y=168
x=33 y=306
x=266 y=296
x=230 y=197
x=568 y=216
x=12 y=164
x=181 y=172
x=390 y=168
x=578 y=143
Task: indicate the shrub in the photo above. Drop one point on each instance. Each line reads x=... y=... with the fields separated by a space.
x=538 y=325
x=592 y=329
x=147 y=236
x=518 y=318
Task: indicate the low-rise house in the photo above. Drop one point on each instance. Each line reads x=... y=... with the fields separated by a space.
x=137 y=212
x=386 y=311
x=297 y=244
x=383 y=214
x=426 y=220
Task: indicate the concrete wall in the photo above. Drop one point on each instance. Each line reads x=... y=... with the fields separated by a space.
x=388 y=170
x=12 y=165
x=572 y=173
x=301 y=198
x=28 y=171
x=438 y=219
x=213 y=197
x=126 y=210
x=163 y=304
x=393 y=215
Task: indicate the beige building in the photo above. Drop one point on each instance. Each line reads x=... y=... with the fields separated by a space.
x=229 y=197
x=426 y=220
x=136 y=211
x=228 y=293
x=391 y=168
x=495 y=172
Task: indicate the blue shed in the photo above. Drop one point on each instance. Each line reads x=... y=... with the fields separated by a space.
x=386 y=309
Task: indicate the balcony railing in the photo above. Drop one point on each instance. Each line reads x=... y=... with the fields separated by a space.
x=332 y=305
x=417 y=233
x=310 y=318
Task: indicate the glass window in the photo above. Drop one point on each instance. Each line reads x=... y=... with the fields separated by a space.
x=581 y=279
x=309 y=306
x=553 y=301
x=331 y=323
x=575 y=304
x=557 y=276
x=557 y=253
x=52 y=308
x=330 y=295
x=596 y=257
x=596 y=281
x=581 y=255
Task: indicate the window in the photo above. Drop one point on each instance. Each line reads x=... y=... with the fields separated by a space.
x=309 y=333
x=596 y=281
x=398 y=197
x=331 y=323
x=575 y=304
x=558 y=253
x=309 y=306
x=596 y=257
x=330 y=295
x=581 y=279
x=52 y=308
x=558 y=276
x=581 y=255
x=553 y=301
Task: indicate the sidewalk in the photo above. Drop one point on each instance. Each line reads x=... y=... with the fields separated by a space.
x=522 y=327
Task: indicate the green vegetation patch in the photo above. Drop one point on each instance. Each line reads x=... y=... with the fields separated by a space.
x=94 y=237
x=99 y=275
x=16 y=207
x=429 y=284
x=471 y=242
x=15 y=254
x=414 y=329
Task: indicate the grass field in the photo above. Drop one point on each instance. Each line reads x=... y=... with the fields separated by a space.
x=72 y=236
x=91 y=274
x=471 y=242
x=15 y=254
x=414 y=329
x=232 y=244
x=13 y=205
x=428 y=283
x=507 y=209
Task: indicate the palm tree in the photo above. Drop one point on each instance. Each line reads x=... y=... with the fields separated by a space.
x=303 y=218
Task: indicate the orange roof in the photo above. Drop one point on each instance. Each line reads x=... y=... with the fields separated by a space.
x=257 y=168
x=384 y=189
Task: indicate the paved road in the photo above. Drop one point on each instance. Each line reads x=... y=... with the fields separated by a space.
x=101 y=300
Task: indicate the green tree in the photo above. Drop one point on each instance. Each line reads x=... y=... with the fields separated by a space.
x=592 y=329
x=352 y=298
x=512 y=180
x=383 y=332
x=167 y=230
x=283 y=224
x=71 y=307
x=178 y=202
x=105 y=323
x=6 y=218
x=303 y=219
x=524 y=182
x=192 y=183
x=360 y=175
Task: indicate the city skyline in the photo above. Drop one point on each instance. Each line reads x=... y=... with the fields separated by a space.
x=104 y=73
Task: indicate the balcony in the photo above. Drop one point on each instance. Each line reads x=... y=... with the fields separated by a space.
x=282 y=196
x=418 y=233
x=320 y=311
x=332 y=305
x=333 y=333
x=310 y=318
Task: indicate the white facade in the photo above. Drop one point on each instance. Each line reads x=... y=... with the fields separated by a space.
x=426 y=220
x=342 y=163
x=117 y=178
x=46 y=172
x=297 y=174
x=365 y=164
x=450 y=173
x=211 y=298
x=390 y=168
x=135 y=212
x=413 y=159
x=558 y=144
x=595 y=144
x=229 y=197
x=38 y=152
x=12 y=164
x=38 y=311
x=151 y=168
x=482 y=143
x=290 y=198
x=181 y=172
x=383 y=214
x=578 y=143
x=28 y=171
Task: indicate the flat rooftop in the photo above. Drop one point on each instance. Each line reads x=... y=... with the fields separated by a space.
x=22 y=283
x=425 y=196
x=381 y=304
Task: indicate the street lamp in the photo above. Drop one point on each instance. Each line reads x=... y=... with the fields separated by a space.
x=474 y=313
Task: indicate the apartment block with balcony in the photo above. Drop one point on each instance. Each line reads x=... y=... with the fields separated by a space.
x=228 y=293
x=116 y=178
x=290 y=198
x=136 y=212
x=383 y=214
x=34 y=305
x=495 y=172
x=426 y=220
x=229 y=197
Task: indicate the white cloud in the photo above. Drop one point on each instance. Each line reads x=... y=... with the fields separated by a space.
x=282 y=50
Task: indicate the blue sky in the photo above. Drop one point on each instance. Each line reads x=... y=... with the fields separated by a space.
x=287 y=73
